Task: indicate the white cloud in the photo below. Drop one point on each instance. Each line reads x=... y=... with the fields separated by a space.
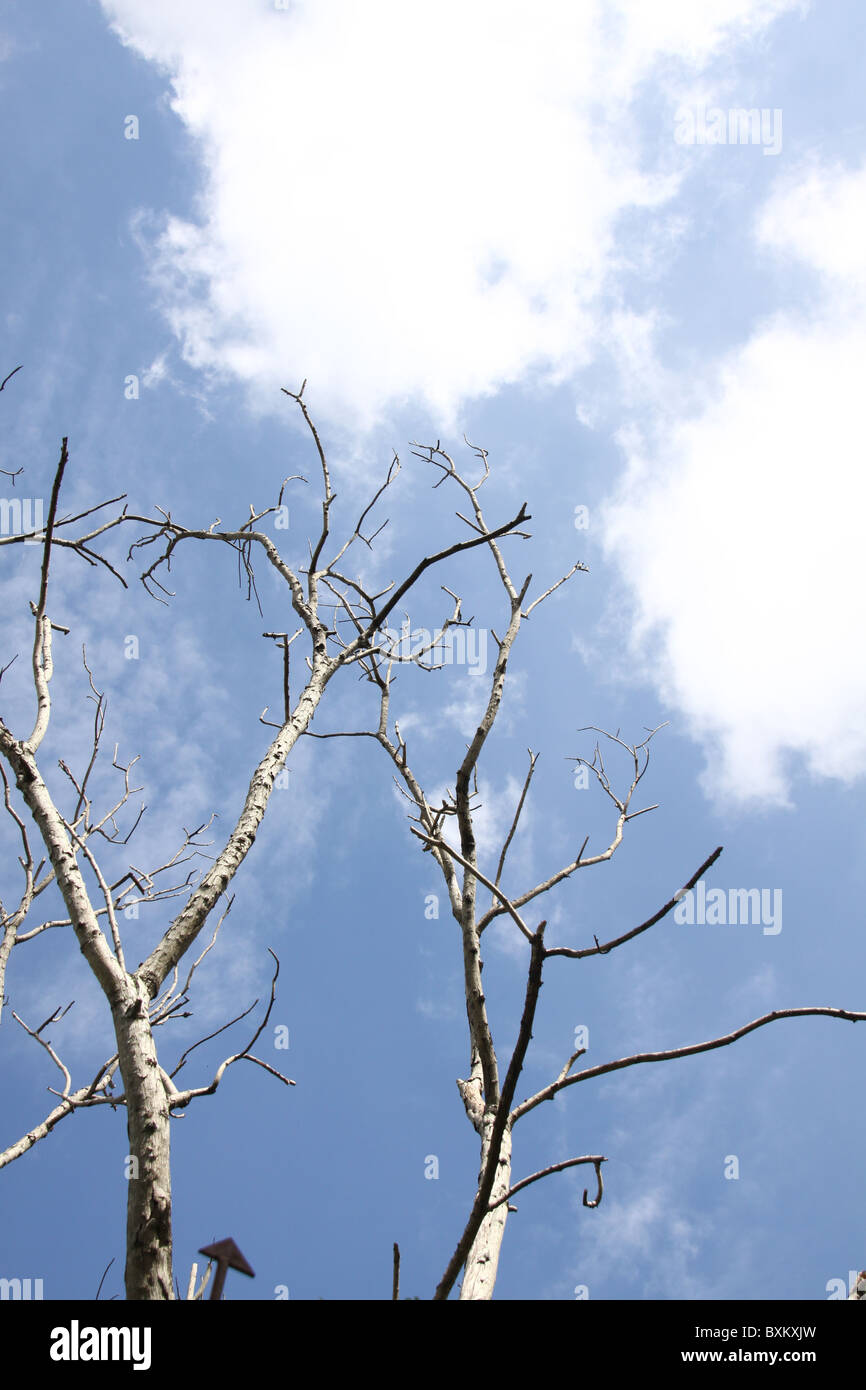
x=818 y=216
x=738 y=528
x=403 y=201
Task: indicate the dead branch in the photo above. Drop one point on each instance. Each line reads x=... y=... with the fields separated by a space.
x=9 y=375
x=691 y=1050
x=596 y=1159
x=43 y=1042
x=507 y=905
x=94 y=1094
x=178 y=1100
x=602 y=950
x=640 y=756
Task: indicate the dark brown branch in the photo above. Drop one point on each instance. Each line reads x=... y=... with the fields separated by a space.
x=602 y=950
x=102 y=1280
x=596 y=1201
x=10 y=375
x=49 y=526
x=210 y=1036
x=597 y=1159
x=178 y=1100
x=689 y=1051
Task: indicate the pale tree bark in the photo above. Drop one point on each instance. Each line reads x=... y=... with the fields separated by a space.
x=137 y=1007
x=482 y=1263
x=149 y=1188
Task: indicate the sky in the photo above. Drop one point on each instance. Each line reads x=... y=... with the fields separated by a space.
x=619 y=247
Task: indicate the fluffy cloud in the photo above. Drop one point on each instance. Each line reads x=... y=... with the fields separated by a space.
x=738 y=529
x=402 y=201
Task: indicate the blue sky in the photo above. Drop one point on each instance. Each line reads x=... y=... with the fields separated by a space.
x=450 y=220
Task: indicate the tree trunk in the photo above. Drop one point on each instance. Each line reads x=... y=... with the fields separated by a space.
x=148 y=1203
x=483 y=1260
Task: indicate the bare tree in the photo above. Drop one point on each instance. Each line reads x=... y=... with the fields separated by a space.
x=343 y=623
x=142 y=999
x=489 y=1092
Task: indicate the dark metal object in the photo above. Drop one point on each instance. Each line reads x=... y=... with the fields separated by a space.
x=227 y=1256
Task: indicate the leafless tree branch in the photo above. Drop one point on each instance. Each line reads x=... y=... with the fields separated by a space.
x=596 y=1159
x=602 y=950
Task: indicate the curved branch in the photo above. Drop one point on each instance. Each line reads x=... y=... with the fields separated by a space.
x=690 y=1050
x=43 y=1042
x=595 y=1201
x=178 y=1100
x=9 y=375
x=597 y=1159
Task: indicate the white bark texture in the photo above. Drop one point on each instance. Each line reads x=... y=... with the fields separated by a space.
x=482 y=1262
